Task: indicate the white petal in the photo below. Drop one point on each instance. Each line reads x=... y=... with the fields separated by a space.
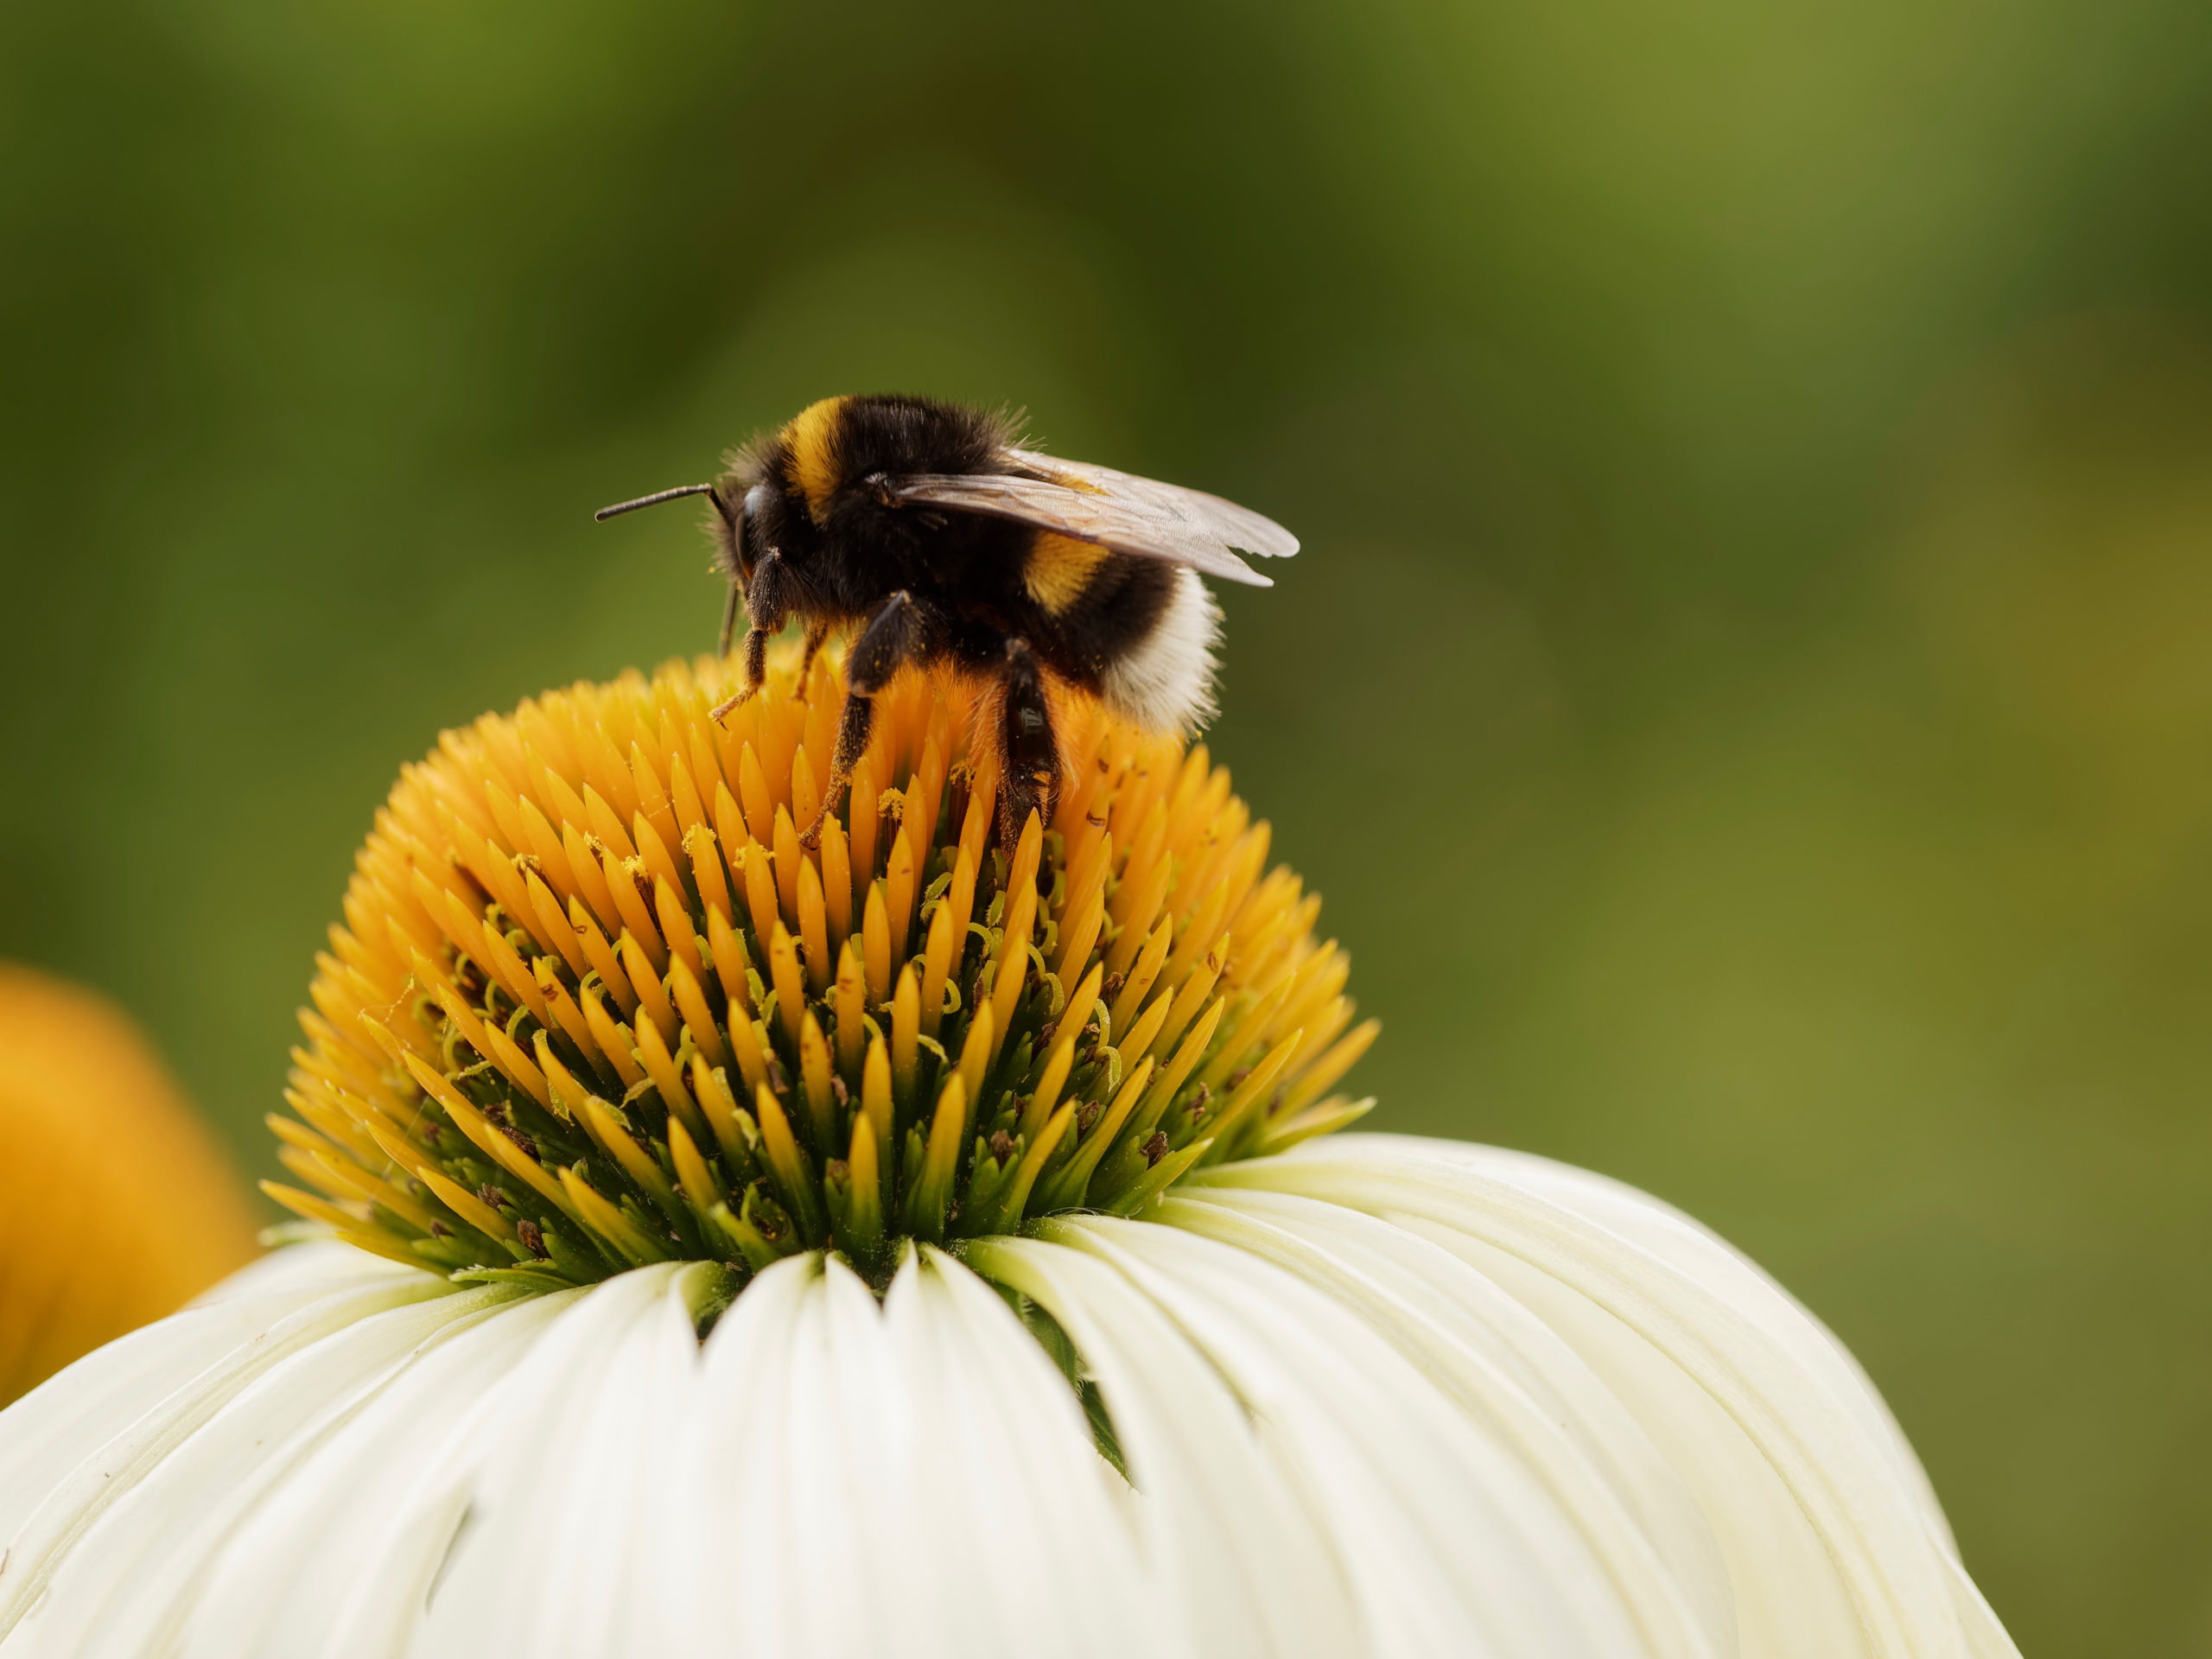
x=70 y=1416
x=829 y=1499
x=129 y=1583
x=1450 y=1548
x=338 y=1558
x=565 y=1481
x=1823 y=1521
x=1725 y=1271
x=313 y=1268
x=116 y=1416
x=915 y=1477
x=1986 y=1637
x=1524 y=1388
x=1009 y=1461
x=1376 y=1396
x=1234 y=1548
x=744 y=1472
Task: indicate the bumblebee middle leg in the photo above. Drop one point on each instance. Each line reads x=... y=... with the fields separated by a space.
x=729 y=616
x=1029 y=750
x=895 y=636
x=817 y=632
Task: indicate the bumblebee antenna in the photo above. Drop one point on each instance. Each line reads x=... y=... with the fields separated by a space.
x=659 y=496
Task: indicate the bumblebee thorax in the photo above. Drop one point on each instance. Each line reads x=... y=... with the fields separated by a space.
x=811 y=450
x=830 y=447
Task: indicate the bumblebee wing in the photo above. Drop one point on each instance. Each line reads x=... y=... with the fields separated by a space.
x=1115 y=510
x=1238 y=528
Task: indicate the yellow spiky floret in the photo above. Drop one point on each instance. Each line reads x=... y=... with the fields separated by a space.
x=593 y=1004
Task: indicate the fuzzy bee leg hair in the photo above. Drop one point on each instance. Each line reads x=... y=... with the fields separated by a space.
x=1029 y=753
x=766 y=603
x=894 y=636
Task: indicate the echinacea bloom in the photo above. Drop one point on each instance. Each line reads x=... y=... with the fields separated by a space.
x=906 y=1247
x=115 y=1206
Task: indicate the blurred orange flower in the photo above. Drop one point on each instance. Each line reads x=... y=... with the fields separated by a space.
x=116 y=1207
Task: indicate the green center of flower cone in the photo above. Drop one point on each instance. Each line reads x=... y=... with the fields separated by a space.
x=595 y=1006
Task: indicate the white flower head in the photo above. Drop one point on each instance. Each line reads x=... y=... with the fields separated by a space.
x=1010 y=1296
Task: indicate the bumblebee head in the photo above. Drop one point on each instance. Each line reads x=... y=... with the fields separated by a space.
x=751 y=516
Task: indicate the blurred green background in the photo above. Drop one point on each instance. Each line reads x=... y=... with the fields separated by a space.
x=1746 y=694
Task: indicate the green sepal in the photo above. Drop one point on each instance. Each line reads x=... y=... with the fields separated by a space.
x=573 y=1264
x=746 y=1240
x=1162 y=1175
x=540 y=1277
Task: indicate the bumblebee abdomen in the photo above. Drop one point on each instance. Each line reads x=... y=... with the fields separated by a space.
x=1164 y=679
x=1136 y=633
x=1057 y=570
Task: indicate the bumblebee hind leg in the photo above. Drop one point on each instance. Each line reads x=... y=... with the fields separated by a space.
x=1029 y=750
x=895 y=636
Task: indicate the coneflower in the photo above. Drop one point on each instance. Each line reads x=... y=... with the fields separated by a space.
x=913 y=1246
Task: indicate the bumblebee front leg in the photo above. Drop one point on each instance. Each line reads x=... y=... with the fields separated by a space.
x=1029 y=752
x=767 y=601
x=893 y=637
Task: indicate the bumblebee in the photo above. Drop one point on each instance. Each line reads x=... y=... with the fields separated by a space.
x=928 y=534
